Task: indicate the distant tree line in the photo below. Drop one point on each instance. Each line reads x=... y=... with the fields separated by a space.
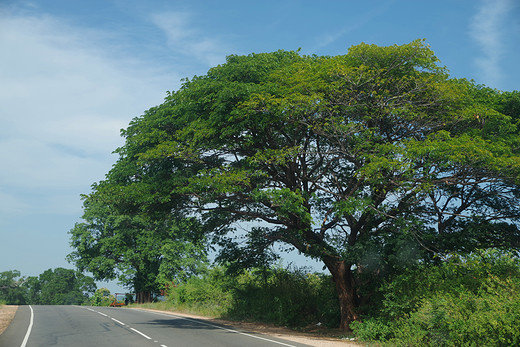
x=53 y=287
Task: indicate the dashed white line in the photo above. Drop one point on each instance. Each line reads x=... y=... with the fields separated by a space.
x=226 y=329
x=140 y=333
x=115 y=320
x=119 y=322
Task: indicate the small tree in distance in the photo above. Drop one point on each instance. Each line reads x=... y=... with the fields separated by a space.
x=102 y=297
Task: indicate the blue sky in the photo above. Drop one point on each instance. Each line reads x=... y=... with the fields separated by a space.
x=73 y=73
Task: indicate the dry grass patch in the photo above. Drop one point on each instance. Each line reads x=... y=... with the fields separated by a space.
x=7 y=313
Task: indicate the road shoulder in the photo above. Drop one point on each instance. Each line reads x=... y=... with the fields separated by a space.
x=15 y=332
x=7 y=313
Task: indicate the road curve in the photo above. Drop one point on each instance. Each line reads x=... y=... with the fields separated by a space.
x=82 y=326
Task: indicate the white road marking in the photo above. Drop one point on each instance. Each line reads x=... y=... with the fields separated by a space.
x=31 y=321
x=140 y=333
x=115 y=320
x=226 y=329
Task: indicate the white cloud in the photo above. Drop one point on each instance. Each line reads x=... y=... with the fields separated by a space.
x=487 y=29
x=184 y=38
x=65 y=95
x=174 y=25
x=354 y=25
x=10 y=205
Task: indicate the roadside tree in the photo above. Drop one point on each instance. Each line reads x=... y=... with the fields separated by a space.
x=64 y=287
x=12 y=291
x=134 y=230
x=367 y=162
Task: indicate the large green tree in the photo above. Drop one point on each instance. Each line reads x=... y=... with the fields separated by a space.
x=61 y=287
x=134 y=229
x=366 y=161
x=140 y=254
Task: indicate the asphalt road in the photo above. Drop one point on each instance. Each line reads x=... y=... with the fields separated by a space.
x=81 y=326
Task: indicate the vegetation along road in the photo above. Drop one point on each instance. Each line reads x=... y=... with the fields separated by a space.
x=103 y=326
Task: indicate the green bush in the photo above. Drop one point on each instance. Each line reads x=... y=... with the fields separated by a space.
x=489 y=318
x=372 y=329
x=289 y=297
x=102 y=297
x=209 y=294
x=467 y=301
x=286 y=297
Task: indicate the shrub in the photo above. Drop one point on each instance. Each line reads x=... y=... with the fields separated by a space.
x=102 y=297
x=209 y=294
x=489 y=318
x=289 y=297
x=467 y=301
x=372 y=329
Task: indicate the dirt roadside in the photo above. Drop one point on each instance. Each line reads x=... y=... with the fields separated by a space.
x=7 y=313
x=316 y=338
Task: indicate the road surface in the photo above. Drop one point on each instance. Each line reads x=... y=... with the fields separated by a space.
x=82 y=326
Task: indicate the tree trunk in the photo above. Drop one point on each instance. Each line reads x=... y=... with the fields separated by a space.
x=346 y=290
x=143 y=297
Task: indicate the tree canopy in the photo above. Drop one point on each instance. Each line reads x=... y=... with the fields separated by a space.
x=367 y=161
x=11 y=290
x=53 y=287
x=62 y=287
x=133 y=230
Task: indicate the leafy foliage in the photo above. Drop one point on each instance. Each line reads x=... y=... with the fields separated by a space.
x=53 y=287
x=63 y=287
x=11 y=291
x=142 y=252
x=471 y=300
x=102 y=297
x=287 y=297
